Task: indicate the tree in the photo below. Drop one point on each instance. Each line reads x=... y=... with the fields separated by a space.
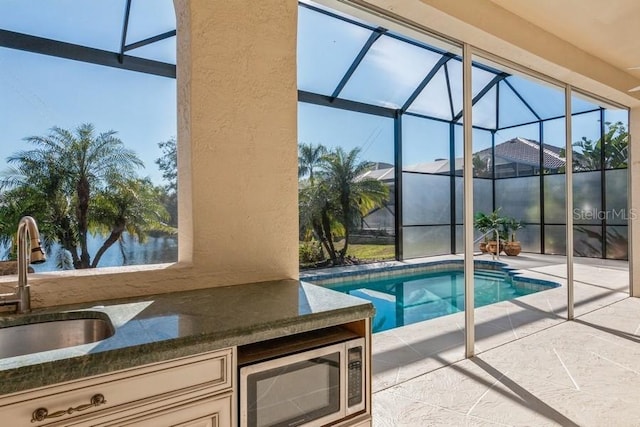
x=480 y=166
x=315 y=207
x=168 y=164
x=309 y=158
x=65 y=181
x=614 y=142
x=340 y=197
x=312 y=199
x=134 y=206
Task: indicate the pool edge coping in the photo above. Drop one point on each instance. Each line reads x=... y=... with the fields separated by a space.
x=369 y=271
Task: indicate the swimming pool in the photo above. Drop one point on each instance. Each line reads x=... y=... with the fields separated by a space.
x=414 y=297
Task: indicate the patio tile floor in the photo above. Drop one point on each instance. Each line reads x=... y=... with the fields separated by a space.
x=532 y=367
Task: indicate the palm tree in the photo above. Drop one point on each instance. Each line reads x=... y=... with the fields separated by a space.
x=309 y=158
x=62 y=174
x=614 y=142
x=480 y=166
x=616 y=147
x=353 y=196
x=14 y=204
x=133 y=206
x=314 y=207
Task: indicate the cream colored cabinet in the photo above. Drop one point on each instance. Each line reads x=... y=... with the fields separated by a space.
x=209 y=412
x=192 y=391
x=365 y=423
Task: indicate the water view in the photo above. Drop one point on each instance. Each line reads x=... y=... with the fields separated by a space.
x=156 y=250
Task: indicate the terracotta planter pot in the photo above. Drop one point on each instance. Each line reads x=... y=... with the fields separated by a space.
x=512 y=248
x=483 y=247
x=492 y=247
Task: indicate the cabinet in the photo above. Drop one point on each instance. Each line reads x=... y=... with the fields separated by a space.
x=356 y=423
x=193 y=391
x=214 y=411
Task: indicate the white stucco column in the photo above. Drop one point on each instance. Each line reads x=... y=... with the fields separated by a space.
x=634 y=202
x=237 y=138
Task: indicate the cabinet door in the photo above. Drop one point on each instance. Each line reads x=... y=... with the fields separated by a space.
x=126 y=393
x=203 y=422
x=214 y=411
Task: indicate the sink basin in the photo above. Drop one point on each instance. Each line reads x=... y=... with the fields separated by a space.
x=42 y=334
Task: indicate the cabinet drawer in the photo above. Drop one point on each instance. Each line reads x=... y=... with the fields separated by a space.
x=363 y=420
x=213 y=411
x=123 y=391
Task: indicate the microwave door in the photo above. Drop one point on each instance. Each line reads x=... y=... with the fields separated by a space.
x=297 y=390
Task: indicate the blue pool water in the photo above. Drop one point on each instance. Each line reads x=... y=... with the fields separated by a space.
x=407 y=299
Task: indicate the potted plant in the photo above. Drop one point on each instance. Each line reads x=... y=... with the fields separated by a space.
x=513 y=246
x=482 y=223
x=499 y=233
x=491 y=225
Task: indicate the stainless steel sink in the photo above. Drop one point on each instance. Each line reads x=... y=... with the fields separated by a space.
x=42 y=334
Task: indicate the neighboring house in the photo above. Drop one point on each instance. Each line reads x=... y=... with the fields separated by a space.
x=513 y=158
x=521 y=157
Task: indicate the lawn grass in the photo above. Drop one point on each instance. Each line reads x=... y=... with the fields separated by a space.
x=361 y=253
x=371 y=252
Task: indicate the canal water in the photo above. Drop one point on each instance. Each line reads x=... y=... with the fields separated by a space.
x=156 y=250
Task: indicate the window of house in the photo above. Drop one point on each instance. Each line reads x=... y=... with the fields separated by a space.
x=412 y=88
x=88 y=95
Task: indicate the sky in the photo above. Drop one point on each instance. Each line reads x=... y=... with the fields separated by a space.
x=38 y=92
x=389 y=73
x=426 y=140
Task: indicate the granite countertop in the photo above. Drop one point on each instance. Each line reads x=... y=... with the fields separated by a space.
x=166 y=326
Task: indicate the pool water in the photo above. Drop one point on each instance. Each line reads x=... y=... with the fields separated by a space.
x=403 y=300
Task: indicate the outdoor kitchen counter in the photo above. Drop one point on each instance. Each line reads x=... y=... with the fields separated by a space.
x=162 y=327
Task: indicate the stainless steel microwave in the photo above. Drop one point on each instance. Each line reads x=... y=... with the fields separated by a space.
x=309 y=388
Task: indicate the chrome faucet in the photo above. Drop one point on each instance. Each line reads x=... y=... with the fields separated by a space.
x=22 y=296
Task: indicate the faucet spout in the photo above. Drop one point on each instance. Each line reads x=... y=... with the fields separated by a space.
x=22 y=295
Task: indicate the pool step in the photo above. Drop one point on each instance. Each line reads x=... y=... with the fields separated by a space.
x=490 y=274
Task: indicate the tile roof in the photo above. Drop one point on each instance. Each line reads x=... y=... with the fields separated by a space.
x=526 y=151
x=516 y=150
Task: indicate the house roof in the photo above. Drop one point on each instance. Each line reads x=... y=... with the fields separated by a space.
x=526 y=151
x=437 y=166
x=516 y=150
x=383 y=174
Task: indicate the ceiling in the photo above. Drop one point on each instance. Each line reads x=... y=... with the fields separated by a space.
x=608 y=30
x=354 y=65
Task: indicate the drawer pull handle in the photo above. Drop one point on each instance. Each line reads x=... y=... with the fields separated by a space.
x=42 y=414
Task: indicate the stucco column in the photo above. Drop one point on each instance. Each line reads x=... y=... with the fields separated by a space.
x=237 y=138
x=634 y=203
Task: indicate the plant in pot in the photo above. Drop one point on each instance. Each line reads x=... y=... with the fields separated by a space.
x=513 y=246
x=490 y=225
x=499 y=232
x=482 y=223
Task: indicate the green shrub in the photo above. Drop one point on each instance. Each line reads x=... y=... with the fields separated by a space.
x=310 y=252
